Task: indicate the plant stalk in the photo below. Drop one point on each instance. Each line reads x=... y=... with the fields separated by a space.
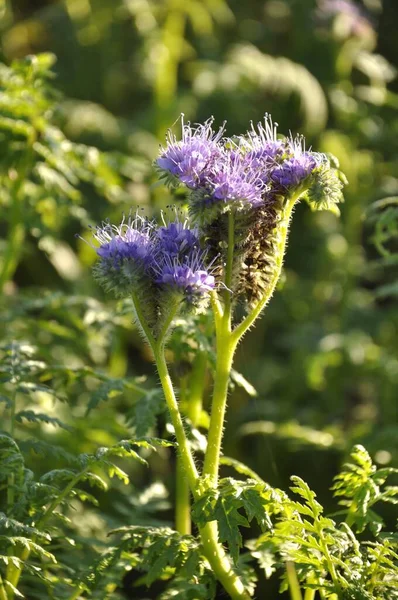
x=3 y=593
x=193 y=401
x=220 y=563
x=309 y=594
x=294 y=586
x=226 y=347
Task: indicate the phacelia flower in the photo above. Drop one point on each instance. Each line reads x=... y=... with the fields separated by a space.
x=296 y=167
x=187 y=275
x=132 y=240
x=233 y=181
x=189 y=158
x=177 y=238
x=262 y=146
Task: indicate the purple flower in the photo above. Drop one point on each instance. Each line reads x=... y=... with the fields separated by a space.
x=294 y=169
x=262 y=145
x=129 y=241
x=189 y=158
x=233 y=181
x=184 y=278
x=176 y=238
x=186 y=274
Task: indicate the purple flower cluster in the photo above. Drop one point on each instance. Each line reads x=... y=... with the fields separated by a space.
x=131 y=241
x=180 y=262
x=189 y=158
x=243 y=171
x=168 y=256
x=297 y=167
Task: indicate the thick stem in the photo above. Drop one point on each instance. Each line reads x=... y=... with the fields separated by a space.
x=309 y=594
x=225 y=354
x=213 y=550
x=220 y=563
x=183 y=502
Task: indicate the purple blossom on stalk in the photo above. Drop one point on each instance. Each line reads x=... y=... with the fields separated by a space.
x=176 y=238
x=132 y=240
x=263 y=146
x=234 y=180
x=189 y=158
x=187 y=275
x=297 y=167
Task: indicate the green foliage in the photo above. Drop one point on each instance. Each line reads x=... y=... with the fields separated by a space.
x=360 y=485
x=327 y=555
x=160 y=553
x=257 y=500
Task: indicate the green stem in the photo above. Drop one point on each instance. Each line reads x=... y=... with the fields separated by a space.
x=142 y=322
x=229 y=263
x=193 y=401
x=220 y=563
x=3 y=593
x=183 y=503
x=309 y=594
x=213 y=550
x=225 y=354
x=190 y=471
x=294 y=586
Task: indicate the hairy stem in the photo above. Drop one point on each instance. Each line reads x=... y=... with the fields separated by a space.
x=193 y=399
x=190 y=471
x=225 y=354
x=213 y=550
x=220 y=563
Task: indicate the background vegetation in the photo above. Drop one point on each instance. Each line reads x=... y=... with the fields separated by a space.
x=77 y=147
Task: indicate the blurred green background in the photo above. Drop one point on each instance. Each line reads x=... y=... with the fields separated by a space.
x=323 y=359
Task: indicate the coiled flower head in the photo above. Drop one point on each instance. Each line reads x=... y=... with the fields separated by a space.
x=126 y=253
x=295 y=168
x=189 y=158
